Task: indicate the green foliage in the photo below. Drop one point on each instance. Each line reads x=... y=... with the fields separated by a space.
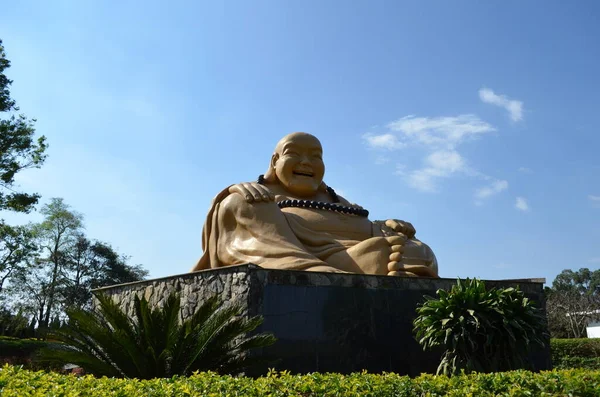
x=480 y=330
x=575 y=353
x=154 y=343
x=18 y=149
x=16 y=382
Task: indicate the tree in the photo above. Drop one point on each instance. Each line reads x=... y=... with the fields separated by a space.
x=17 y=249
x=480 y=330
x=154 y=343
x=18 y=149
x=57 y=233
x=572 y=302
x=112 y=268
x=570 y=312
x=584 y=281
x=30 y=292
x=67 y=267
x=13 y=324
x=94 y=264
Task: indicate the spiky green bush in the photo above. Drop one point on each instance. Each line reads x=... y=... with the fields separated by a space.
x=154 y=343
x=479 y=329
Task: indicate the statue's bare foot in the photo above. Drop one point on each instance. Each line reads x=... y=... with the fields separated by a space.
x=370 y=256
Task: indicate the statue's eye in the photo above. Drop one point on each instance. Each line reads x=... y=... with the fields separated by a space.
x=291 y=153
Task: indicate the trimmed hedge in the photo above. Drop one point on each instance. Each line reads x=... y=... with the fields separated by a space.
x=15 y=347
x=17 y=382
x=23 y=352
x=575 y=353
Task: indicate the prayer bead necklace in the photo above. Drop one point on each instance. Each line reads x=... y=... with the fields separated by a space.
x=320 y=205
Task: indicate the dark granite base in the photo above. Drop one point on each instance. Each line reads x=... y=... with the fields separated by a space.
x=335 y=322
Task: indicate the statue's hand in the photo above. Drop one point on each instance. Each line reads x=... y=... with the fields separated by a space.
x=253 y=191
x=413 y=259
x=400 y=266
x=403 y=227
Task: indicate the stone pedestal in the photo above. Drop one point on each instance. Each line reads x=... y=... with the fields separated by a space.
x=323 y=322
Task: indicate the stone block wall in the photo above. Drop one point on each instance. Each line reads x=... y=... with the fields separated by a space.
x=229 y=283
x=324 y=322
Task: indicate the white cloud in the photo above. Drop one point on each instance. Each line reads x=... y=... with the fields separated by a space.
x=514 y=107
x=400 y=169
x=446 y=161
x=521 y=204
x=525 y=170
x=380 y=160
x=594 y=260
x=595 y=200
x=440 y=131
x=439 y=138
x=423 y=180
x=384 y=141
x=439 y=164
x=493 y=188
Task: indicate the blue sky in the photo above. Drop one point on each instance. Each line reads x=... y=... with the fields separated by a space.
x=475 y=121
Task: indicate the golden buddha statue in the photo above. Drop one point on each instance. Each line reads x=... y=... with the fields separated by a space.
x=290 y=219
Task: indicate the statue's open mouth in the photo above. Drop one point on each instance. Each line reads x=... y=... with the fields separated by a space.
x=304 y=173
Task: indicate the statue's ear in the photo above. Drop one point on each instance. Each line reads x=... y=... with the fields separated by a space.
x=270 y=175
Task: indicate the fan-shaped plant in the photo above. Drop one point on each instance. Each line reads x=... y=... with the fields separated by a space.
x=481 y=330
x=155 y=343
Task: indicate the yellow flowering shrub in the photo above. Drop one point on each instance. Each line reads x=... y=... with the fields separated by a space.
x=17 y=382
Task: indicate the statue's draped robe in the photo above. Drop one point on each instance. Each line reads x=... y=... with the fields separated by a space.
x=237 y=232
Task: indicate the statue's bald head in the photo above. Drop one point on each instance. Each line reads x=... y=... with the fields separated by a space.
x=297 y=163
x=299 y=137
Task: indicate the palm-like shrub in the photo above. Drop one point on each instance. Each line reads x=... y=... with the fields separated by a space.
x=155 y=343
x=480 y=330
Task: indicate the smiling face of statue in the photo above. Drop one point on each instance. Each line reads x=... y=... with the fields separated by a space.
x=298 y=164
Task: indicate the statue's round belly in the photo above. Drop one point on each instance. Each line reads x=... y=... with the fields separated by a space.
x=338 y=225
